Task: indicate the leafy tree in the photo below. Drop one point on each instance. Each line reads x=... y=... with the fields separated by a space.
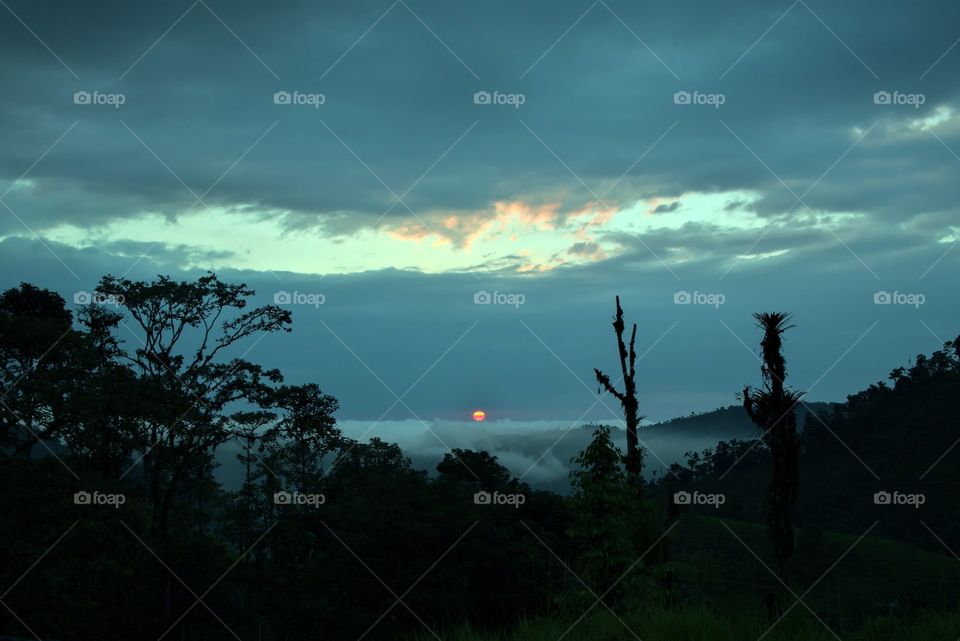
x=376 y=456
x=185 y=331
x=603 y=505
x=249 y=428
x=305 y=432
x=37 y=343
x=186 y=327
x=473 y=468
x=105 y=413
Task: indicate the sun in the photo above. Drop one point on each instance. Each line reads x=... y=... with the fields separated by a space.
x=479 y=415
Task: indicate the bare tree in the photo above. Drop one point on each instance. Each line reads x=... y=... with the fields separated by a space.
x=628 y=398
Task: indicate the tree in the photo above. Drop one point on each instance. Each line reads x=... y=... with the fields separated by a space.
x=772 y=410
x=477 y=469
x=603 y=508
x=377 y=456
x=249 y=427
x=37 y=343
x=104 y=415
x=304 y=433
x=186 y=328
x=184 y=334
x=627 y=398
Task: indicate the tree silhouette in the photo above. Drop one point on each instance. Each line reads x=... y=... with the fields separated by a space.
x=304 y=433
x=627 y=398
x=772 y=411
x=603 y=509
x=185 y=331
x=37 y=353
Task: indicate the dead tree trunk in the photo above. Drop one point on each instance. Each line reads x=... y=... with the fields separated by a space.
x=628 y=398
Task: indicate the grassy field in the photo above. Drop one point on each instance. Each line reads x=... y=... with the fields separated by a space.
x=872 y=577
x=868 y=589
x=703 y=625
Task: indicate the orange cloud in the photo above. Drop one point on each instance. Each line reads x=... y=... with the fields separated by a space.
x=509 y=221
x=537 y=217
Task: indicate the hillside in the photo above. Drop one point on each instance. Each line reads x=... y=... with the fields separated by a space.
x=897 y=438
x=724 y=423
x=874 y=577
x=902 y=593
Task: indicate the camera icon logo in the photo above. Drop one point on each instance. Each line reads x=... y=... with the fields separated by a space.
x=82 y=498
x=82 y=298
x=882 y=298
x=282 y=98
x=681 y=98
x=882 y=498
x=282 y=498
x=81 y=98
x=482 y=298
x=282 y=298
x=482 y=498
x=682 y=498
x=682 y=298
x=482 y=98
x=882 y=98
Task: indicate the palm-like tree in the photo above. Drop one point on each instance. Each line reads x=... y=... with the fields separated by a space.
x=771 y=408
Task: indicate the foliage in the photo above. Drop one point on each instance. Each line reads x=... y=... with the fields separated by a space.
x=607 y=522
x=135 y=402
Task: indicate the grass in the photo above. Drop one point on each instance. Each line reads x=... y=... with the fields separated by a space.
x=864 y=589
x=866 y=579
x=701 y=624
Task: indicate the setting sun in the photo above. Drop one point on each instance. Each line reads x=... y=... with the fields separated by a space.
x=479 y=415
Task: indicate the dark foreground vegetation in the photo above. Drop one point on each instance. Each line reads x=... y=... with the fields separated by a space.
x=114 y=528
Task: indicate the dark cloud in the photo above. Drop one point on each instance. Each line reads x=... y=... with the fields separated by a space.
x=666 y=208
x=798 y=127
x=201 y=96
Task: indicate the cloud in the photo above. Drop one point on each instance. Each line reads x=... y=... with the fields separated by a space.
x=666 y=208
x=399 y=197
x=382 y=333
x=598 y=122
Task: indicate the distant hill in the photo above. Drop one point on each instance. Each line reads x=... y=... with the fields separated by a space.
x=726 y=423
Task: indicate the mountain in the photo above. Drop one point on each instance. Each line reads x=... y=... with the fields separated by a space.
x=726 y=423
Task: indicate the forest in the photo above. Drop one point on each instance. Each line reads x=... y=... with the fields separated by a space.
x=832 y=521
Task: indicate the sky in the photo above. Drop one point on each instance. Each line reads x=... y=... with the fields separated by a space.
x=449 y=195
